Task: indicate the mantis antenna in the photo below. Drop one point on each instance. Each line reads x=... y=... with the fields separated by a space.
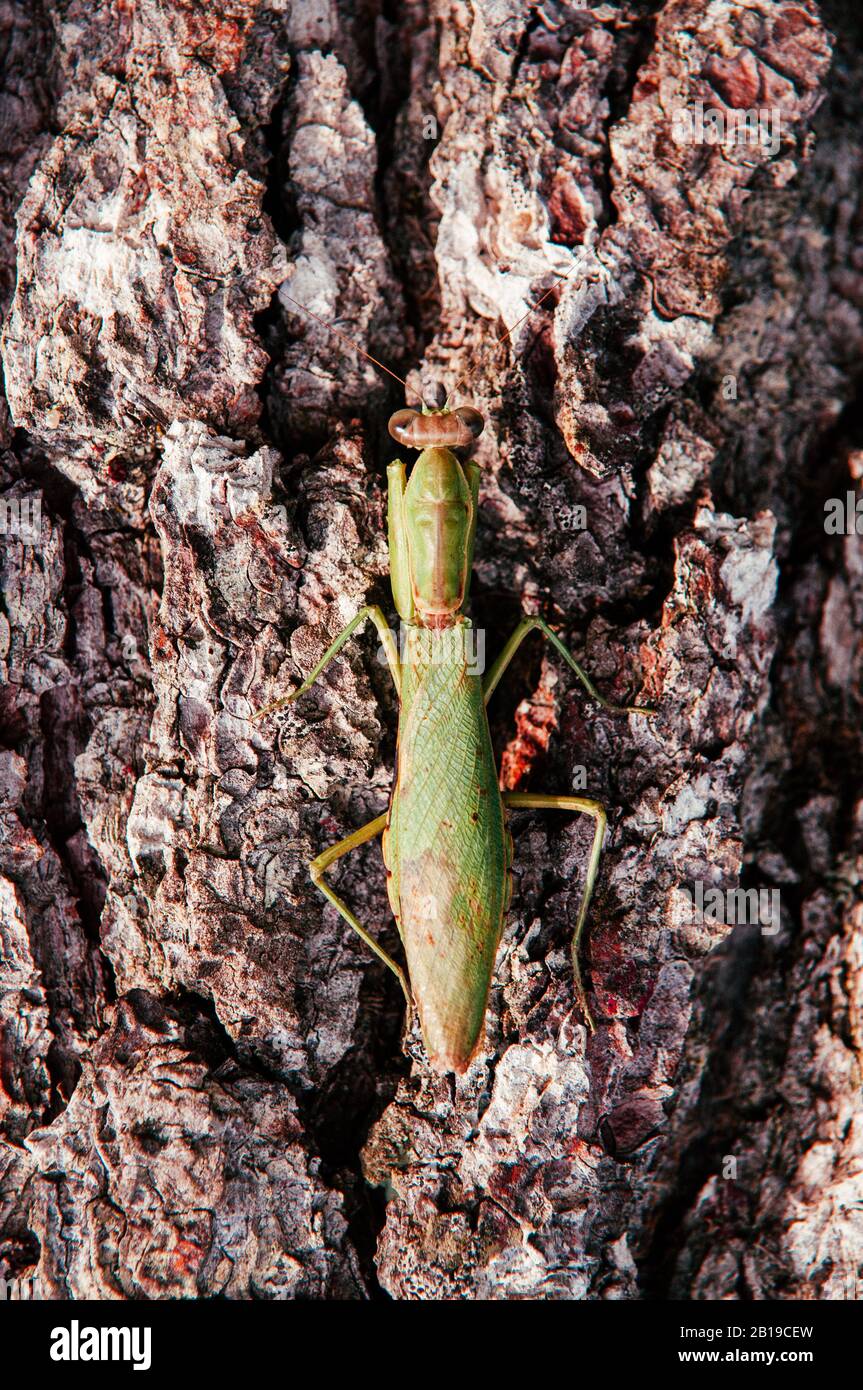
x=509 y=332
x=356 y=347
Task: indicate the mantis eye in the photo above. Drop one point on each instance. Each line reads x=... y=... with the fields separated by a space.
x=402 y=426
x=471 y=419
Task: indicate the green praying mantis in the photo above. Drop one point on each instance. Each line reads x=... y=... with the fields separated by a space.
x=445 y=842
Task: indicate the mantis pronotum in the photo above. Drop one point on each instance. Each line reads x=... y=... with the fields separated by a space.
x=444 y=838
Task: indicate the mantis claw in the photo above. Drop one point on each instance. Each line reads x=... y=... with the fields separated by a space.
x=581 y=1001
x=640 y=709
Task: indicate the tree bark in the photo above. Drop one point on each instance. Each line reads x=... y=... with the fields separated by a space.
x=203 y=1084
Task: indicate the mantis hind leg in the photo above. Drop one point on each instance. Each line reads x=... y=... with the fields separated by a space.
x=317 y=868
x=528 y=801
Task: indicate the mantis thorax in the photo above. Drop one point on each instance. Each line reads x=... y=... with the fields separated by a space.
x=432 y=515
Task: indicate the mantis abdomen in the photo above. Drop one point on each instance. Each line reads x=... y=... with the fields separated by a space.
x=446 y=846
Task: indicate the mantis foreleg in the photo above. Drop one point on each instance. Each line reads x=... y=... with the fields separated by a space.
x=387 y=642
x=530 y=625
x=529 y=801
x=329 y=856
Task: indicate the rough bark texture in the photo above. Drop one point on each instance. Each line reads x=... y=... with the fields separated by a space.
x=202 y=1084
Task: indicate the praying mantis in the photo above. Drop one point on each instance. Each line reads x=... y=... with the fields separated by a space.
x=446 y=846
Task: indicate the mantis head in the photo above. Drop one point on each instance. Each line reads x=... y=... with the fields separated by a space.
x=438 y=429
